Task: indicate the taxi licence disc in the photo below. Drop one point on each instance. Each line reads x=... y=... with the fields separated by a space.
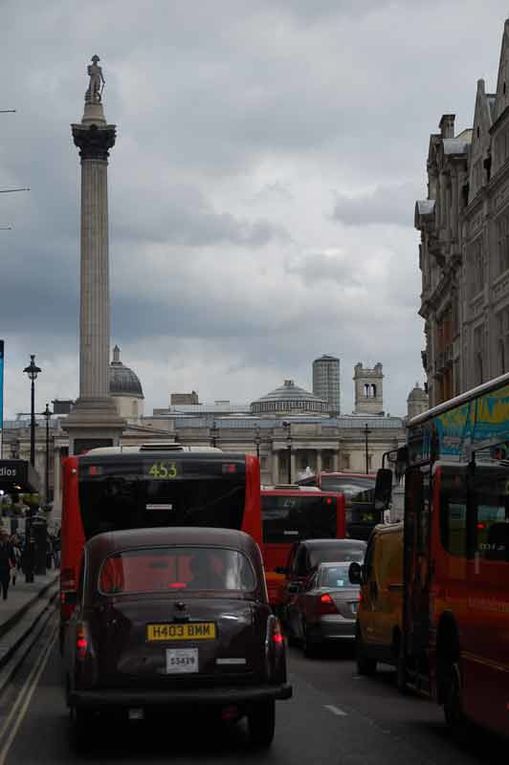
x=188 y=631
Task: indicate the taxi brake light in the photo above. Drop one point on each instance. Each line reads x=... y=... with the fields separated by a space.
x=230 y=467
x=328 y=501
x=81 y=644
x=177 y=585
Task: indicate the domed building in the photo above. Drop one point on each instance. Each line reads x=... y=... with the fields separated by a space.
x=288 y=399
x=417 y=401
x=125 y=389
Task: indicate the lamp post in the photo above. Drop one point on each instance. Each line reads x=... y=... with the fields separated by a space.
x=32 y=370
x=366 y=434
x=257 y=440
x=47 y=414
x=214 y=434
x=288 y=426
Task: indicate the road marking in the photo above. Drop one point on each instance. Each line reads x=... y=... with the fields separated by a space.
x=24 y=698
x=335 y=711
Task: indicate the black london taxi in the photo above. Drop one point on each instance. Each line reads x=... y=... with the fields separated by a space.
x=174 y=616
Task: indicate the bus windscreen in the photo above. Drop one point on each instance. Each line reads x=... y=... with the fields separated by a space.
x=288 y=519
x=128 y=494
x=349 y=486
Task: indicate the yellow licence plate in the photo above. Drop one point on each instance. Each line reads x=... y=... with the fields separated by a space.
x=190 y=631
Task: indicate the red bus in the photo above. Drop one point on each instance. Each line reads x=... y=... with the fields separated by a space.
x=456 y=555
x=152 y=485
x=289 y=514
x=358 y=490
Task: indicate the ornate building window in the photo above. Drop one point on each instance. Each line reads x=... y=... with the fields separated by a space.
x=478 y=355
x=502 y=231
x=502 y=340
x=475 y=259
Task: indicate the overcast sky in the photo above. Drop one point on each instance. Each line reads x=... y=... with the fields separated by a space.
x=262 y=188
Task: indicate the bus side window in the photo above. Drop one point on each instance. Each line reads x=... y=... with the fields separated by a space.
x=492 y=516
x=453 y=512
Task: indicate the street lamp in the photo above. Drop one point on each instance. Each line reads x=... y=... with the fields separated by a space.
x=257 y=440
x=32 y=370
x=47 y=414
x=214 y=434
x=288 y=426
x=366 y=434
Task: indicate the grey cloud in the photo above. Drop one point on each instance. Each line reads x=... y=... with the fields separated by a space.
x=183 y=217
x=322 y=267
x=391 y=204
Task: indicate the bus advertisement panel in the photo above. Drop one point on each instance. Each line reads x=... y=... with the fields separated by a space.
x=293 y=513
x=137 y=487
x=358 y=490
x=456 y=556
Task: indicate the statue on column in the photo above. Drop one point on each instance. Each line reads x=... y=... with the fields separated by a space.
x=95 y=87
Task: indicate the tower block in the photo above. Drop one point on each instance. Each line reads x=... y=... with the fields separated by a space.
x=94 y=420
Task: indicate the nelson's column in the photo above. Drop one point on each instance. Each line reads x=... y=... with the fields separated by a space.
x=94 y=420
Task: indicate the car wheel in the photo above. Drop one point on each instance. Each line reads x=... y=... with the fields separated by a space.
x=261 y=721
x=401 y=669
x=82 y=728
x=308 y=647
x=453 y=706
x=365 y=664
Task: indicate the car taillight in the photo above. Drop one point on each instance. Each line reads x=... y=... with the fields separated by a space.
x=326 y=605
x=277 y=634
x=81 y=643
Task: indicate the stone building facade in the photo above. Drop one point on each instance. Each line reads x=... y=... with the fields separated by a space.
x=464 y=250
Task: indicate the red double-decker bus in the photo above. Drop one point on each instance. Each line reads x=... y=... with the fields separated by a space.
x=358 y=490
x=456 y=555
x=291 y=513
x=152 y=485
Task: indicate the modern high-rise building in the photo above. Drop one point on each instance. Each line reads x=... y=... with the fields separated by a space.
x=326 y=382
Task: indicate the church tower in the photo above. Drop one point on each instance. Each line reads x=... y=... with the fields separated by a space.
x=369 y=394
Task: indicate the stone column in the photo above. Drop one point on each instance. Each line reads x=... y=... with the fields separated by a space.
x=94 y=420
x=275 y=467
x=293 y=469
x=318 y=460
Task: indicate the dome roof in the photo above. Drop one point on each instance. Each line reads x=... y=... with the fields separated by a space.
x=123 y=381
x=288 y=398
x=417 y=394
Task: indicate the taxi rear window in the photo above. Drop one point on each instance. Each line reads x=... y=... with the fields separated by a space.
x=170 y=569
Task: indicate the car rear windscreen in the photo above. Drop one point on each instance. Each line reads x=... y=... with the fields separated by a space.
x=292 y=518
x=345 y=551
x=145 y=493
x=171 y=569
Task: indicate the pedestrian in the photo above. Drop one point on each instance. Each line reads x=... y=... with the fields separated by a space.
x=56 y=548
x=6 y=562
x=16 y=550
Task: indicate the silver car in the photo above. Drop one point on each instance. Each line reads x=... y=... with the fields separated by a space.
x=324 y=608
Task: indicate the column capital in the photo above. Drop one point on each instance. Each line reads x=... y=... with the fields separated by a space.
x=94 y=141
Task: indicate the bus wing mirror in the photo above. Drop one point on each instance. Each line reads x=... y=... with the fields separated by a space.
x=383 y=488
x=355 y=573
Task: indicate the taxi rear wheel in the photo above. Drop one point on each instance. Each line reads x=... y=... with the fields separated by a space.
x=82 y=727
x=261 y=721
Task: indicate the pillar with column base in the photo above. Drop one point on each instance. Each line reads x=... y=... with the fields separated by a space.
x=94 y=420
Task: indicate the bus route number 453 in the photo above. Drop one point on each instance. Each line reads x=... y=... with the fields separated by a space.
x=162 y=470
